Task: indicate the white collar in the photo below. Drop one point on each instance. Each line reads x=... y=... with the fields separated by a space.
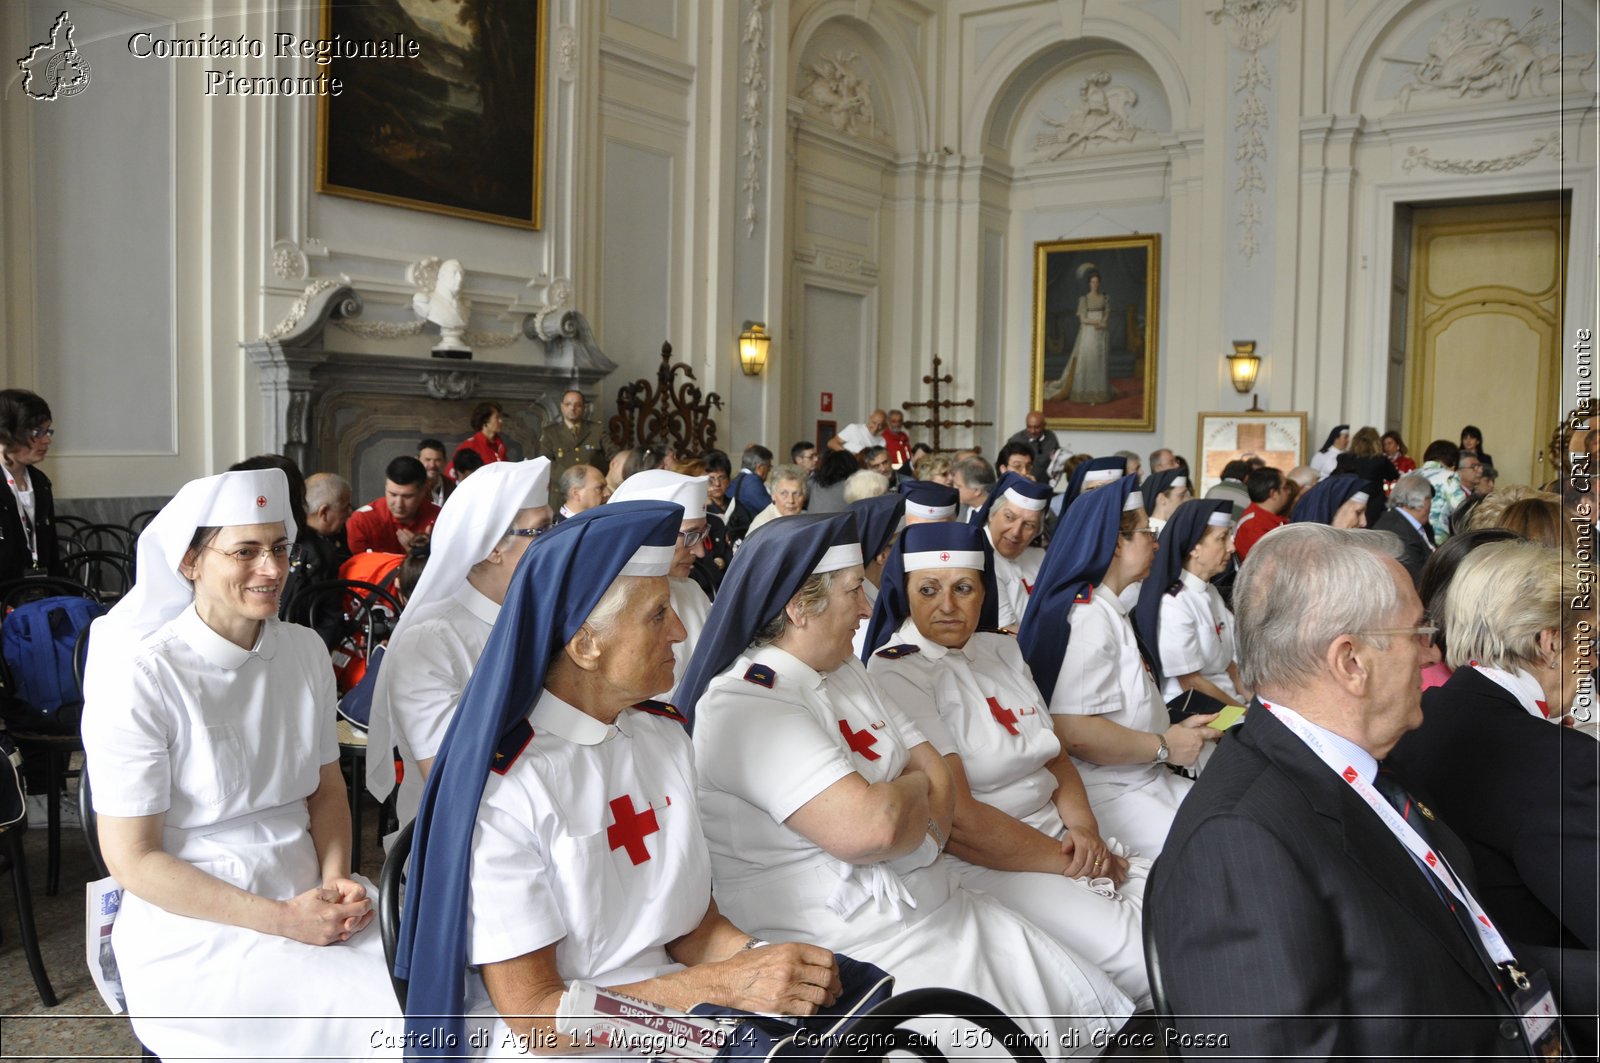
x=788 y=666
x=908 y=633
x=1521 y=685
x=565 y=721
x=1193 y=582
x=1364 y=763
x=217 y=650
x=1112 y=601
x=477 y=603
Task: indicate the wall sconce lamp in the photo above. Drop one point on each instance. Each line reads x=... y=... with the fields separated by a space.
x=754 y=342
x=1243 y=365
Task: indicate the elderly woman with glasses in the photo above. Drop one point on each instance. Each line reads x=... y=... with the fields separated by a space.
x=827 y=810
x=1096 y=677
x=1023 y=830
x=209 y=733
x=480 y=535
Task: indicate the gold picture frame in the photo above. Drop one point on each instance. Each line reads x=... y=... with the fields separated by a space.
x=411 y=132
x=1096 y=348
x=1279 y=439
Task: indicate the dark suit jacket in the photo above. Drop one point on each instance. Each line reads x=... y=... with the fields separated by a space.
x=1291 y=920
x=14 y=556
x=1524 y=795
x=1416 y=549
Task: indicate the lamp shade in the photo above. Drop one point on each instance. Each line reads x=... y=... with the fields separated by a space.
x=1243 y=365
x=753 y=345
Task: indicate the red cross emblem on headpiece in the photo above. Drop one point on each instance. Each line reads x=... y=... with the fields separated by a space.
x=945 y=556
x=860 y=741
x=1004 y=717
x=631 y=828
x=261 y=501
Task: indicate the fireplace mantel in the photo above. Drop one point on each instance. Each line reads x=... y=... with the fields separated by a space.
x=350 y=413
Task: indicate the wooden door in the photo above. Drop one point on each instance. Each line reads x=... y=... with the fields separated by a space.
x=1484 y=345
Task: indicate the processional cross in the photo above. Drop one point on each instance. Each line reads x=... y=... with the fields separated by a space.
x=936 y=407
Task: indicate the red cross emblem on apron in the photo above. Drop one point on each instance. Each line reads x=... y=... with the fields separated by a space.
x=860 y=741
x=1004 y=717
x=631 y=828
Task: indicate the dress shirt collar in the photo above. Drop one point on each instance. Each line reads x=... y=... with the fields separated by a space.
x=1427 y=537
x=477 y=603
x=565 y=721
x=1353 y=754
x=218 y=650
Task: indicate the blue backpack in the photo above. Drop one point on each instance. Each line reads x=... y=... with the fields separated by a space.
x=37 y=640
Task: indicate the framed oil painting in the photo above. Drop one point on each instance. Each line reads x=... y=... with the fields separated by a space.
x=457 y=130
x=1096 y=304
x=1279 y=439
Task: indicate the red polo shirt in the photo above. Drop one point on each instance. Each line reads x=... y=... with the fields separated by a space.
x=1254 y=522
x=372 y=527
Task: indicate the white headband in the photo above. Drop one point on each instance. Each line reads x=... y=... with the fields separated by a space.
x=1220 y=518
x=1017 y=498
x=844 y=555
x=1134 y=501
x=649 y=561
x=917 y=509
x=662 y=486
x=1100 y=476
x=1359 y=496
x=944 y=559
x=1177 y=481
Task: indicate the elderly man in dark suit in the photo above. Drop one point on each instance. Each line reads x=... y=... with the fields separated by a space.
x=1291 y=917
x=1407 y=519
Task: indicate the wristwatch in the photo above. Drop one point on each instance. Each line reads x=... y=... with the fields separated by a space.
x=1162 y=751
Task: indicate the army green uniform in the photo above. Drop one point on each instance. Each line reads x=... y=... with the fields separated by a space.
x=566 y=448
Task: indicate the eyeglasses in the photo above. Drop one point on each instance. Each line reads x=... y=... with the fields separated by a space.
x=690 y=538
x=528 y=533
x=1423 y=634
x=41 y=433
x=249 y=555
x=1146 y=530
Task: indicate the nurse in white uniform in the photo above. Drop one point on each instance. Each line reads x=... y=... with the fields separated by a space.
x=1163 y=493
x=481 y=534
x=827 y=810
x=689 y=600
x=1181 y=616
x=1081 y=646
x=208 y=728
x=1011 y=518
x=559 y=838
x=878 y=519
x=1024 y=831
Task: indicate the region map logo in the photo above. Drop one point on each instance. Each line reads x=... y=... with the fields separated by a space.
x=55 y=68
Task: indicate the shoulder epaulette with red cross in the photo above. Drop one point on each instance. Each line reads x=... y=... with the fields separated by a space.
x=1084 y=596
x=661 y=708
x=511 y=747
x=894 y=653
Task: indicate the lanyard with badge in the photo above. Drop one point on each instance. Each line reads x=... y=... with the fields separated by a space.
x=28 y=533
x=1531 y=997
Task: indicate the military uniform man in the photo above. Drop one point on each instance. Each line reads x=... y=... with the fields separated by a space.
x=572 y=441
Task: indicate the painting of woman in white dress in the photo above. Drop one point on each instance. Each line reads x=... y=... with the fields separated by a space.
x=1085 y=378
x=1095 y=317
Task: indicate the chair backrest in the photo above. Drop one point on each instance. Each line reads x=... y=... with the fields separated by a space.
x=872 y=1030
x=91 y=826
x=352 y=617
x=105 y=537
x=109 y=573
x=14 y=592
x=1158 y=989
x=390 y=882
x=138 y=522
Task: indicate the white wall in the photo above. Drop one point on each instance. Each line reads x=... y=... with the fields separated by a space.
x=693 y=181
